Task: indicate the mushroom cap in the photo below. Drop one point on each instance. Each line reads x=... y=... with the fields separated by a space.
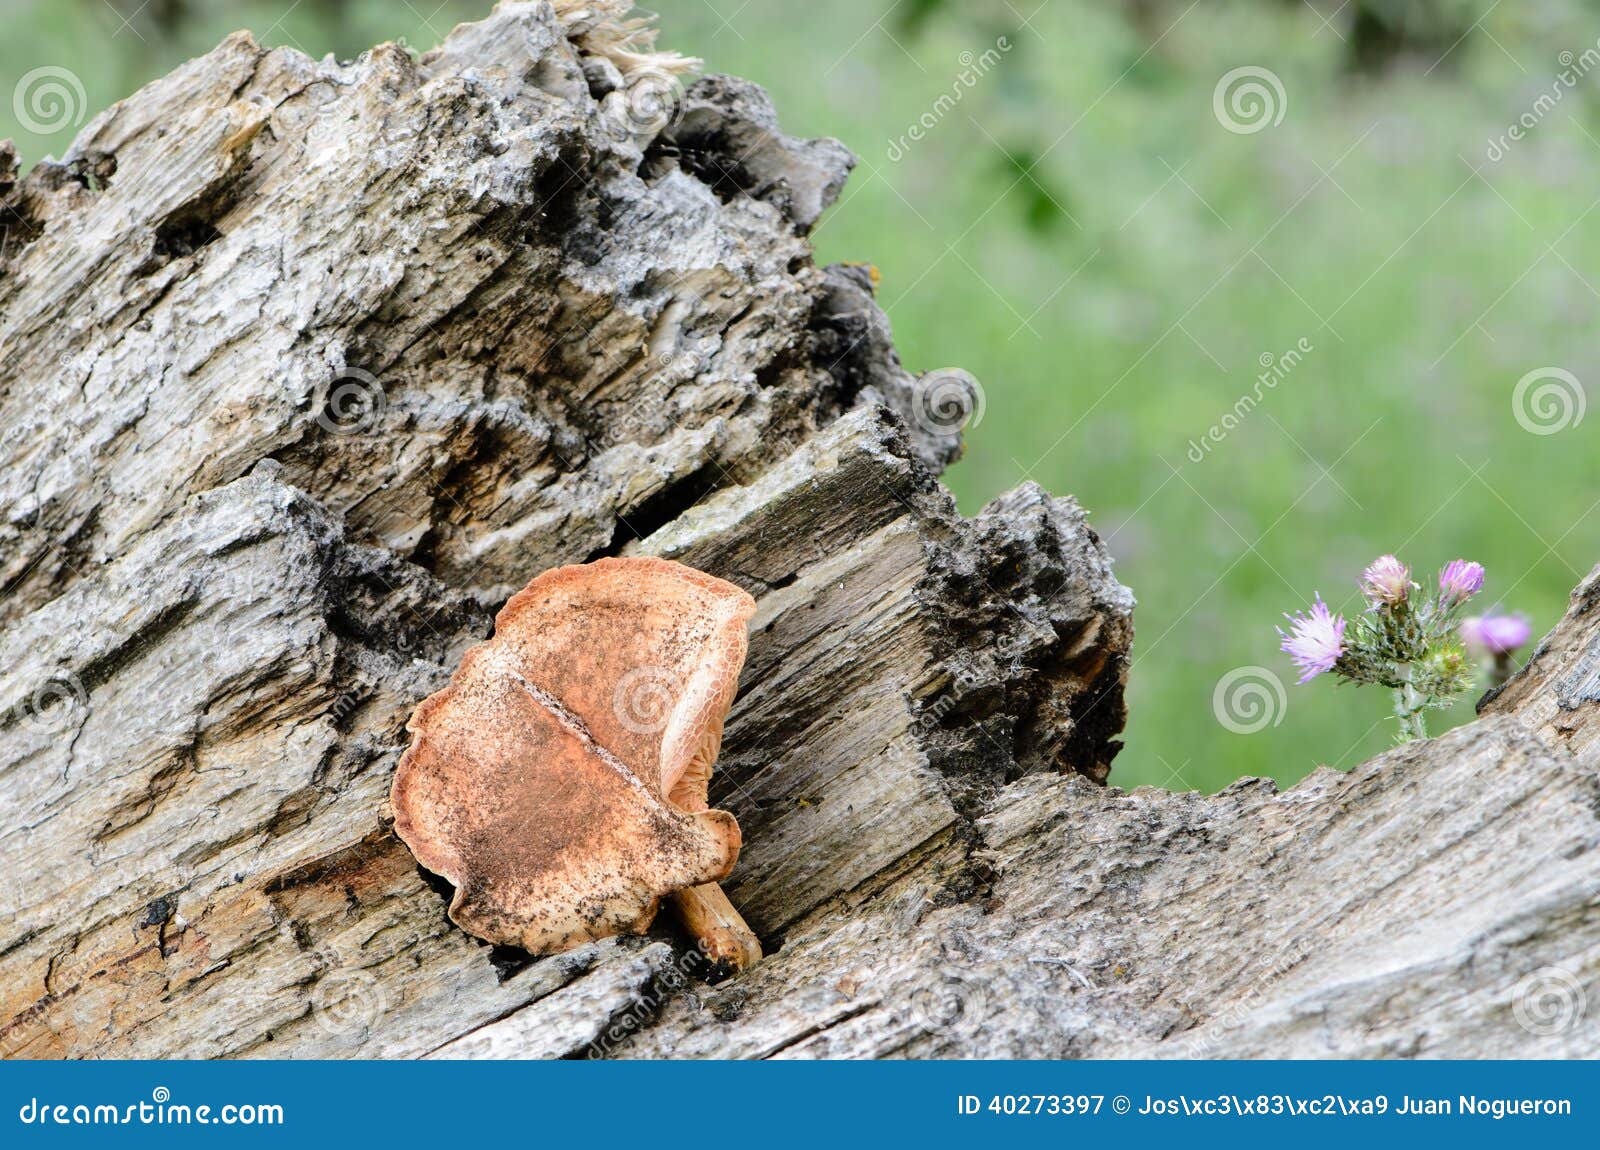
x=559 y=781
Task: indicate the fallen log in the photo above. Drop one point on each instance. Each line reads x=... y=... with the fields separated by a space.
x=310 y=365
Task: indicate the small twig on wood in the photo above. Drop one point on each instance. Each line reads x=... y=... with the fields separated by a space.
x=1064 y=965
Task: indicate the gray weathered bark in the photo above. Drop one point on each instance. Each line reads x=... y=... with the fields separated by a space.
x=309 y=365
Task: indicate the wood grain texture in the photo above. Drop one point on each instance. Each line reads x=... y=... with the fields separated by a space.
x=311 y=365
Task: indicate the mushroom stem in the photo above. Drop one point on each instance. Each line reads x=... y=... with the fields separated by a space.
x=723 y=935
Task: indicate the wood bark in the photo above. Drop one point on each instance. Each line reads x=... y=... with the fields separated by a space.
x=310 y=364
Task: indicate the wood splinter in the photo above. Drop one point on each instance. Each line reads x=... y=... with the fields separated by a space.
x=560 y=781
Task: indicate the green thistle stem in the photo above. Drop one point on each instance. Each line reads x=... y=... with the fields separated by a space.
x=1408 y=707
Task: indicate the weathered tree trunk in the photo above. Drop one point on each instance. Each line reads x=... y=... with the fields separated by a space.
x=309 y=365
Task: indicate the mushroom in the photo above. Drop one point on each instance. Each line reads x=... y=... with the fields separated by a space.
x=560 y=780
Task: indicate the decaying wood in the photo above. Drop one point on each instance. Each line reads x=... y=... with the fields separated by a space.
x=309 y=365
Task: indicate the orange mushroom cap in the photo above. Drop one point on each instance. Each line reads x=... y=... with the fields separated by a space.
x=560 y=780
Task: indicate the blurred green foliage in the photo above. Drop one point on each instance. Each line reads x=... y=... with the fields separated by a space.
x=1081 y=232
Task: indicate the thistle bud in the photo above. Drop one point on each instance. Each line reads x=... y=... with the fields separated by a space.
x=1387 y=582
x=1459 y=581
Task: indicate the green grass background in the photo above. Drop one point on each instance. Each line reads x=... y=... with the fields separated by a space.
x=1083 y=235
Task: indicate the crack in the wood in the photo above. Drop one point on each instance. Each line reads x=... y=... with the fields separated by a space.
x=818 y=1028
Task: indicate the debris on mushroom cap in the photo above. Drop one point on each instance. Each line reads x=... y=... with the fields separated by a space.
x=559 y=781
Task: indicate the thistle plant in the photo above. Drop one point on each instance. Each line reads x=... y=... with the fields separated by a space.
x=1412 y=641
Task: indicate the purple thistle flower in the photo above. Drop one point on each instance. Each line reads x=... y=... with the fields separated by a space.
x=1460 y=581
x=1386 y=582
x=1496 y=634
x=1315 y=640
